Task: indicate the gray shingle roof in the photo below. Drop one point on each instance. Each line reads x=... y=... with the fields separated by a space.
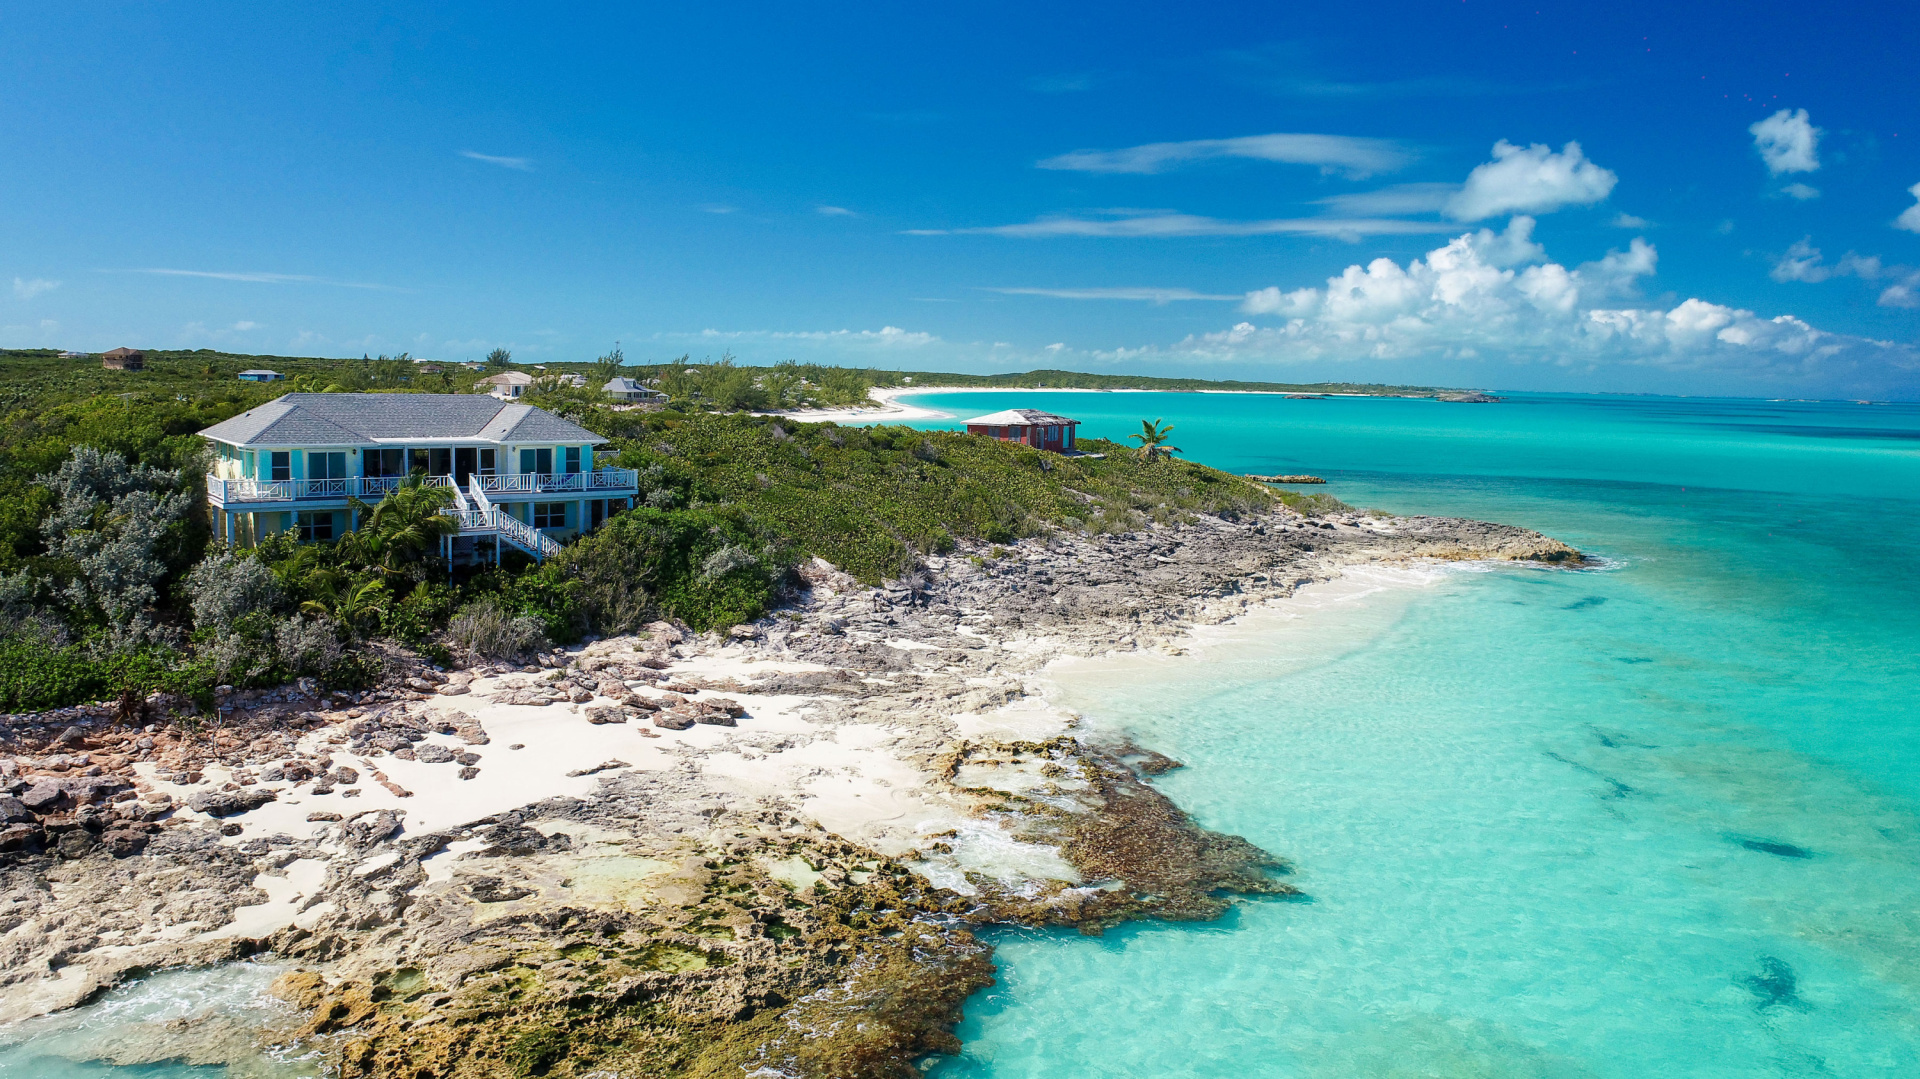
x=347 y=419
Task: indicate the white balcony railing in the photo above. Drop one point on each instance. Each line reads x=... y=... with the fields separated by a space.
x=230 y=491
x=481 y=515
x=533 y=483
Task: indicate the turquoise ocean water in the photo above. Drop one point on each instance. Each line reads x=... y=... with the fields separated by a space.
x=1652 y=820
x=1659 y=819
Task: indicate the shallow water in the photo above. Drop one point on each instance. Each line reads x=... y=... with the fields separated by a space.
x=165 y=1027
x=1658 y=819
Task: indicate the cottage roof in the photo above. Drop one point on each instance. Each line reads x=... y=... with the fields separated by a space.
x=623 y=384
x=121 y=353
x=507 y=378
x=258 y=371
x=347 y=419
x=1012 y=416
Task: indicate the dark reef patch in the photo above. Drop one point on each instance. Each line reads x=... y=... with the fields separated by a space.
x=1775 y=847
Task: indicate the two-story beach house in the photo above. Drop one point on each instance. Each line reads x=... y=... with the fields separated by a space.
x=519 y=474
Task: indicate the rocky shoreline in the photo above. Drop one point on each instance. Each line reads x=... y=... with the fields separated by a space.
x=765 y=853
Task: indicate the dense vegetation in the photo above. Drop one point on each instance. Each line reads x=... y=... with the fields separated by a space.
x=110 y=585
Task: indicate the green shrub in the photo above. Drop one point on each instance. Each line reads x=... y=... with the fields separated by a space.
x=35 y=675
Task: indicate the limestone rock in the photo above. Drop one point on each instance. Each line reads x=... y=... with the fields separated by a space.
x=228 y=803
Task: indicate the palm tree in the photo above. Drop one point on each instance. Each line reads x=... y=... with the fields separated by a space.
x=354 y=604
x=405 y=529
x=606 y=368
x=499 y=359
x=1153 y=440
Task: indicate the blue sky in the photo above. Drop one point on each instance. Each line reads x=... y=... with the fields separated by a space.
x=1608 y=197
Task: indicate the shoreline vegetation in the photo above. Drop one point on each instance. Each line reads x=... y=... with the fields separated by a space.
x=730 y=786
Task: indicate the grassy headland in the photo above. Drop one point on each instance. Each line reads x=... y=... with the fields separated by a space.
x=111 y=586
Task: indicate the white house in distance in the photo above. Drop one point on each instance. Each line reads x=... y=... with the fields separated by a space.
x=506 y=385
x=621 y=388
x=260 y=374
x=519 y=474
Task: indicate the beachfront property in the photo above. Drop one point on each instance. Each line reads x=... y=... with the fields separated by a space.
x=260 y=374
x=519 y=475
x=1027 y=426
x=123 y=359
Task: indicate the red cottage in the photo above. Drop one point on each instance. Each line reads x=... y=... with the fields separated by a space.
x=1027 y=426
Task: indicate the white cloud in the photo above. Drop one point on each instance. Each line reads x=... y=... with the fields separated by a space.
x=1391 y=201
x=1803 y=262
x=1902 y=293
x=1155 y=296
x=834 y=211
x=1533 y=180
x=1787 y=142
x=1624 y=220
x=1155 y=224
x=1468 y=300
x=1803 y=192
x=244 y=325
x=884 y=337
x=1344 y=154
x=1909 y=218
x=28 y=288
x=522 y=164
x=255 y=278
x=715 y=208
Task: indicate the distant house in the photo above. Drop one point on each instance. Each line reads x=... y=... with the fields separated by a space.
x=506 y=385
x=124 y=359
x=261 y=374
x=1027 y=426
x=621 y=388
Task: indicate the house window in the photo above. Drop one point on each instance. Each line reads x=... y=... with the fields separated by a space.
x=281 y=464
x=549 y=515
x=463 y=460
x=314 y=527
x=573 y=459
x=326 y=466
x=386 y=462
x=540 y=460
x=993 y=432
x=487 y=467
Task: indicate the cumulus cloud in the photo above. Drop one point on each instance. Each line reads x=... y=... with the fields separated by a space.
x=1788 y=142
x=1624 y=220
x=1902 y=293
x=1803 y=192
x=28 y=288
x=1533 y=180
x=1155 y=224
x=520 y=164
x=1488 y=294
x=1344 y=154
x=1909 y=218
x=1803 y=262
x=1156 y=296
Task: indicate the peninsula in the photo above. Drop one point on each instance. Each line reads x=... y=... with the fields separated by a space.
x=727 y=786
